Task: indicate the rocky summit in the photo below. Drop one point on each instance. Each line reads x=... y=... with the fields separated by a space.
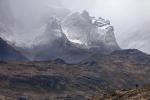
x=73 y=39
x=95 y=34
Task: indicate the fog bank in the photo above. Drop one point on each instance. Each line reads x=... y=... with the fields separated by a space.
x=130 y=18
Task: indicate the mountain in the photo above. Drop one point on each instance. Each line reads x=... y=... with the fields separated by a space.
x=73 y=38
x=57 y=80
x=55 y=32
x=95 y=34
x=121 y=56
x=122 y=68
x=8 y=53
x=53 y=44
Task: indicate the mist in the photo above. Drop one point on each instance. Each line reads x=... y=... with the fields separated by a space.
x=31 y=17
x=130 y=18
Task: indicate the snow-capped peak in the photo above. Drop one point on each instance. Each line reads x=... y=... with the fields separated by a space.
x=84 y=29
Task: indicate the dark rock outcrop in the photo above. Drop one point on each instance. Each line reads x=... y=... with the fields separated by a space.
x=8 y=53
x=95 y=34
x=39 y=82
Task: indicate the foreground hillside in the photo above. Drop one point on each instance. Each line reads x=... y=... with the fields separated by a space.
x=133 y=94
x=56 y=80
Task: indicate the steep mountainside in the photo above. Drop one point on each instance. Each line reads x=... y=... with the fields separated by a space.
x=94 y=33
x=8 y=53
x=53 y=44
x=73 y=39
x=56 y=32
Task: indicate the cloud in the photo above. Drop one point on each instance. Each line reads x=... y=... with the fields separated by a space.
x=129 y=17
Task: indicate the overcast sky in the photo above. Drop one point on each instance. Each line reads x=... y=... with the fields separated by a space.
x=122 y=13
x=129 y=17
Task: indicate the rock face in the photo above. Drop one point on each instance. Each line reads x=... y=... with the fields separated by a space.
x=61 y=34
x=91 y=32
x=71 y=37
x=54 y=44
x=74 y=38
x=8 y=53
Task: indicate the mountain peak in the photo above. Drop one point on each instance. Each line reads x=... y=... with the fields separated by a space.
x=92 y=32
x=66 y=35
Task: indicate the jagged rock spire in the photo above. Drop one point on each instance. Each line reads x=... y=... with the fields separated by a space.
x=90 y=31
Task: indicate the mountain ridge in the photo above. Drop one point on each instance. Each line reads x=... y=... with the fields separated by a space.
x=59 y=79
x=61 y=34
x=8 y=53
